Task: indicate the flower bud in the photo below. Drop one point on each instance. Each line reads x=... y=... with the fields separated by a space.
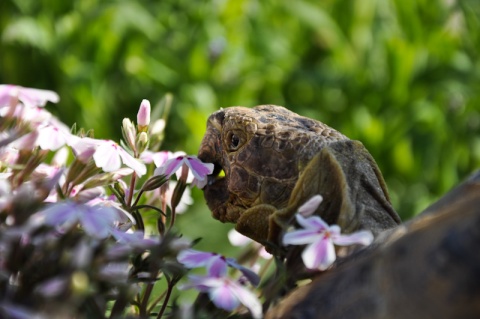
x=142 y=142
x=107 y=178
x=143 y=116
x=129 y=132
x=154 y=182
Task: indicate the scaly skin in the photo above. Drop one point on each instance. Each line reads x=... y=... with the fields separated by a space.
x=274 y=160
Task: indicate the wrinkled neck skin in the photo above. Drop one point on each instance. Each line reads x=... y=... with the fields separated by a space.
x=275 y=145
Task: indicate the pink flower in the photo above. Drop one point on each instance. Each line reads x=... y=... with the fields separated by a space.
x=33 y=115
x=109 y=201
x=226 y=293
x=199 y=169
x=320 y=239
x=107 y=154
x=84 y=148
x=52 y=136
x=143 y=115
x=97 y=221
x=29 y=97
x=215 y=264
x=159 y=158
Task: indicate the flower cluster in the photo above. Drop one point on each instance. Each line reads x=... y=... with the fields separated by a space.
x=74 y=205
x=224 y=292
x=77 y=236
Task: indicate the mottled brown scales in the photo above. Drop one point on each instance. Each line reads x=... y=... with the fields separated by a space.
x=274 y=160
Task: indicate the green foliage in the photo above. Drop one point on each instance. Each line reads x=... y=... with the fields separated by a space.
x=402 y=76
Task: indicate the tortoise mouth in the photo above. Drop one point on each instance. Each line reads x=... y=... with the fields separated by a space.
x=217 y=175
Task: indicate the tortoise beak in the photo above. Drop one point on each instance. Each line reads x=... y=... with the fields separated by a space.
x=211 y=151
x=211 y=147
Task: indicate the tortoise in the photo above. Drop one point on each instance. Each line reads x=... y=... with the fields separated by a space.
x=273 y=160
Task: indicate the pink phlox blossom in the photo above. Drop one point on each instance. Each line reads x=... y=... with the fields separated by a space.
x=225 y=293
x=130 y=242
x=134 y=239
x=199 y=170
x=158 y=158
x=97 y=221
x=107 y=154
x=320 y=239
x=35 y=116
x=28 y=96
x=53 y=135
x=83 y=147
x=215 y=264
x=123 y=216
x=48 y=134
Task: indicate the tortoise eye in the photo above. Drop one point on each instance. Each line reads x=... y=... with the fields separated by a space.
x=234 y=141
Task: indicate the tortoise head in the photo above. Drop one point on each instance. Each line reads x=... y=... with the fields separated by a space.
x=258 y=154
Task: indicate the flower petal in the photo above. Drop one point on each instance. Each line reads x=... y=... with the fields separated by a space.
x=217 y=266
x=50 y=138
x=312 y=222
x=132 y=162
x=223 y=297
x=199 y=183
x=201 y=283
x=310 y=206
x=319 y=255
x=192 y=258
x=170 y=166
x=364 y=237
x=57 y=214
x=36 y=97
x=84 y=148
x=237 y=239
x=302 y=237
x=247 y=298
x=97 y=222
x=107 y=157
x=199 y=169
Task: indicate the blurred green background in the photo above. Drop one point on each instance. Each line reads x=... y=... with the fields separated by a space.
x=402 y=76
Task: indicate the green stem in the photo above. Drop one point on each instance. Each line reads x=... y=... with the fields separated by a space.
x=138 y=198
x=156 y=301
x=132 y=188
x=146 y=296
x=165 y=301
x=172 y=219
